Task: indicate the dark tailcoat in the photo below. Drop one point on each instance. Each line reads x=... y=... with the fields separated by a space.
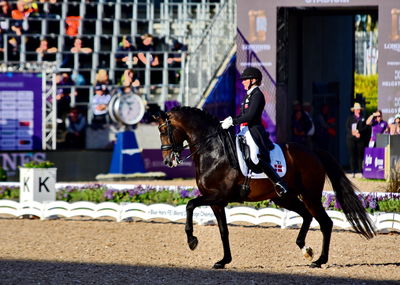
x=251 y=114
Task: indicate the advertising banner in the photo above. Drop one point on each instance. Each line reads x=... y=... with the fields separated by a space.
x=20 y=111
x=153 y=162
x=389 y=58
x=374 y=163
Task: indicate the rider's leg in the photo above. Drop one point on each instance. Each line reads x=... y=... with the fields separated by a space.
x=280 y=185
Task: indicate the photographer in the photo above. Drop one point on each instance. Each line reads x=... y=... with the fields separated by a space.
x=378 y=126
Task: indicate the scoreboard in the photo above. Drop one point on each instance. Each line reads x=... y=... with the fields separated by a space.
x=20 y=111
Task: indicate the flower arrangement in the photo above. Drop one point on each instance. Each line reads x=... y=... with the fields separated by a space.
x=39 y=164
x=146 y=194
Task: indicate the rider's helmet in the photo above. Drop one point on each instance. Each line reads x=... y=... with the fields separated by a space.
x=252 y=73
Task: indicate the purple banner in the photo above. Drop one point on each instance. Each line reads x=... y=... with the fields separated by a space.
x=20 y=111
x=153 y=162
x=374 y=163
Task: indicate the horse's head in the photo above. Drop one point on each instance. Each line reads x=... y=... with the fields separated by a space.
x=172 y=138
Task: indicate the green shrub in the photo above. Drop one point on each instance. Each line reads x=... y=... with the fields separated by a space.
x=38 y=164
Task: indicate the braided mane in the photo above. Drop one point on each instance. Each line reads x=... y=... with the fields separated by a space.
x=202 y=115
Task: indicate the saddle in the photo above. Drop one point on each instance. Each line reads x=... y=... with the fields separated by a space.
x=277 y=160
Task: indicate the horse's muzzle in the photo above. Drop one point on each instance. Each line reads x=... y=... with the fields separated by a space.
x=171 y=162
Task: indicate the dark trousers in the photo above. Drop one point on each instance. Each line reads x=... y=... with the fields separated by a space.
x=356 y=154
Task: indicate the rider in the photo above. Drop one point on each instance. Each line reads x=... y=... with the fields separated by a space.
x=250 y=116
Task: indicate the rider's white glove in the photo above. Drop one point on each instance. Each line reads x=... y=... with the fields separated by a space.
x=228 y=122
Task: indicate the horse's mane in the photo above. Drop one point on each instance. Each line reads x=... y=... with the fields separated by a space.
x=203 y=116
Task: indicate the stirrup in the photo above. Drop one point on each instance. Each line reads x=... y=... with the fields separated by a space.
x=280 y=189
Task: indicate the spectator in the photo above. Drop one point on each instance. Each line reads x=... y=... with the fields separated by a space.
x=19 y=13
x=123 y=57
x=102 y=77
x=394 y=125
x=325 y=129
x=130 y=79
x=44 y=52
x=76 y=125
x=2 y=32
x=356 y=130
x=99 y=108
x=299 y=128
x=79 y=48
x=378 y=126
x=307 y=108
x=5 y=11
x=174 y=61
x=14 y=41
x=145 y=47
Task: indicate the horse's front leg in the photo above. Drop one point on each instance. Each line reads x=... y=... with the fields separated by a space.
x=219 y=212
x=191 y=205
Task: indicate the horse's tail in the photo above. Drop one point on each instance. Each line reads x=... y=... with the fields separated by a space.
x=346 y=196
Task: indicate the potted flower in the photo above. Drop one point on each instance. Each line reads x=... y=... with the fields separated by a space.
x=38 y=181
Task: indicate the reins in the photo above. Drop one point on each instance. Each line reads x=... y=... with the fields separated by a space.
x=177 y=149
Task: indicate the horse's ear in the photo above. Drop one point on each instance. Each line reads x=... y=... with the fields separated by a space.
x=160 y=115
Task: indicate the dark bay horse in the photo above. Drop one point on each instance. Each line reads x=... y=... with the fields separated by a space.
x=219 y=182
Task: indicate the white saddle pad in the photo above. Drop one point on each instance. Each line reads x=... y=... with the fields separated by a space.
x=278 y=162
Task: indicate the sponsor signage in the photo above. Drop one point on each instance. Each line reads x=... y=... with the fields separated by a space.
x=374 y=163
x=20 y=111
x=153 y=162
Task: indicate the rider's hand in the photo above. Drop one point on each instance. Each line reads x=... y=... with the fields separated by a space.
x=228 y=122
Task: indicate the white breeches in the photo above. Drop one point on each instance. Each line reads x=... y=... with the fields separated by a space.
x=254 y=150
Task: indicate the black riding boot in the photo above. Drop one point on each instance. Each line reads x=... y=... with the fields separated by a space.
x=280 y=185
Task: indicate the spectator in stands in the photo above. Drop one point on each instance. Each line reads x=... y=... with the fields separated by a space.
x=63 y=96
x=5 y=11
x=76 y=125
x=19 y=12
x=130 y=79
x=147 y=47
x=79 y=48
x=2 y=32
x=14 y=41
x=175 y=61
x=99 y=108
x=378 y=126
x=123 y=55
x=102 y=77
x=46 y=53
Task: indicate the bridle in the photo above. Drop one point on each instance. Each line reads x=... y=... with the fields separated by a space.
x=176 y=149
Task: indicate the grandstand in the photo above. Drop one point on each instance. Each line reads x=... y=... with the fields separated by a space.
x=206 y=28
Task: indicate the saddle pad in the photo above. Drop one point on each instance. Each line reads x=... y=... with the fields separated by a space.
x=278 y=162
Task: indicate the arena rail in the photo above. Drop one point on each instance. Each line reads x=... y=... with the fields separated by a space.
x=384 y=222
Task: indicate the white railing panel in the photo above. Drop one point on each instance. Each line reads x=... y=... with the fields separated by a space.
x=201 y=215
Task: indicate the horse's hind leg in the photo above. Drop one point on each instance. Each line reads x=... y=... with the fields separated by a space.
x=295 y=205
x=326 y=226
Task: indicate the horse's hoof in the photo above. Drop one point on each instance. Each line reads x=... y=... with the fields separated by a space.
x=315 y=265
x=308 y=253
x=193 y=242
x=219 y=266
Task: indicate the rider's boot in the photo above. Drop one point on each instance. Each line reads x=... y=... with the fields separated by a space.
x=280 y=185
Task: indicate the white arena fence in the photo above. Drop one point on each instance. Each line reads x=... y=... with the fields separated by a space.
x=203 y=215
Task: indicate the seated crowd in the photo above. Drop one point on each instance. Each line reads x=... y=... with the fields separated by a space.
x=21 y=29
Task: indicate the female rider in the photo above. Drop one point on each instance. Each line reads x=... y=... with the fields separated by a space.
x=249 y=120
